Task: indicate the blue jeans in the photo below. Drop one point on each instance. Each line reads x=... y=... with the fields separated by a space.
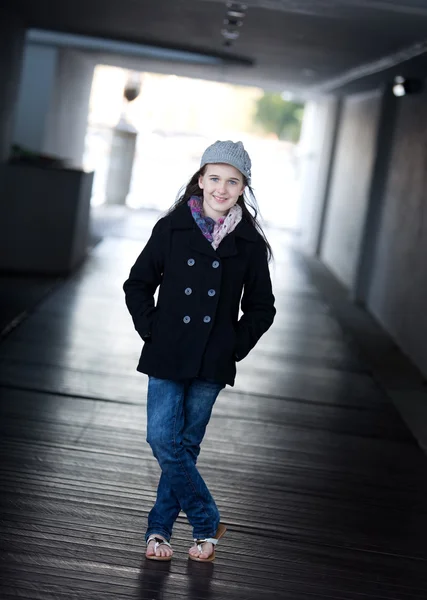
x=177 y=415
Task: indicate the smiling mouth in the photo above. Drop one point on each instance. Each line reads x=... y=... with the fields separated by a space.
x=220 y=199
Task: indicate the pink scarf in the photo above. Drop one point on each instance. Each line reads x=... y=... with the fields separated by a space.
x=215 y=231
x=226 y=225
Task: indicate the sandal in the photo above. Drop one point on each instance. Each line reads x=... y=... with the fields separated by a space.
x=219 y=533
x=158 y=542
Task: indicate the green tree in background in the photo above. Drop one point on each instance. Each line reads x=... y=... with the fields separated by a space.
x=279 y=116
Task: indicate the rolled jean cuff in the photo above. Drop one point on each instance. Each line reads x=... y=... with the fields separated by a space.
x=203 y=535
x=157 y=531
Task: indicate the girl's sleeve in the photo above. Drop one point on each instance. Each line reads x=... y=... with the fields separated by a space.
x=144 y=279
x=257 y=303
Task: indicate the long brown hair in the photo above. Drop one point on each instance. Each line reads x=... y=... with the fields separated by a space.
x=246 y=201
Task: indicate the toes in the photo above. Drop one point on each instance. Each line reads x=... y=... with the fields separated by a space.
x=161 y=552
x=206 y=552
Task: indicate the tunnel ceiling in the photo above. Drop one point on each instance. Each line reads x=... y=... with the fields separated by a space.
x=292 y=44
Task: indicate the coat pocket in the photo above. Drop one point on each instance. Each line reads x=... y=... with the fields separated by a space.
x=151 y=327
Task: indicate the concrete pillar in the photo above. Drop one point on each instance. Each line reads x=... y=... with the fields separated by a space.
x=67 y=121
x=316 y=155
x=121 y=163
x=35 y=92
x=376 y=198
x=12 y=36
x=53 y=103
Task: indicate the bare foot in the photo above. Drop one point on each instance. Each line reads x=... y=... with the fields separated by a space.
x=207 y=550
x=162 y=550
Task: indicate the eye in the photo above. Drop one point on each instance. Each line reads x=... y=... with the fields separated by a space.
x=214 y=178
x=233 y=182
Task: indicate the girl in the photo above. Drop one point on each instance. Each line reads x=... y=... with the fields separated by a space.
x=203 y=254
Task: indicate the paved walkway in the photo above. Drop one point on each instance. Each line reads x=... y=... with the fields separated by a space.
x=321 y=486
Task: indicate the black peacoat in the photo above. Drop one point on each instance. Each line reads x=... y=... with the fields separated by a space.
x=195 y=330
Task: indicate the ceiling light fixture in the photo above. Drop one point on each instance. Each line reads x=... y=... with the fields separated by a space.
x=230 y=34
x=235 y=14
x=236 y=6
x=403 y=86
x=236 y=10
x=399 y=86
x=233 y=22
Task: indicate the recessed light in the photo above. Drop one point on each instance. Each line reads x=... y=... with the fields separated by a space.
x=236 y=5
x=399 y=90
x=230 y=34
x=235 y=14
x=233 y=22
x=403 y=86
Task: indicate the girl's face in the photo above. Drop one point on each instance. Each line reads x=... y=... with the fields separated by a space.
x=222 y=185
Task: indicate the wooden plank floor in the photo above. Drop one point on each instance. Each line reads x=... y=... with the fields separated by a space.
x=322 y=487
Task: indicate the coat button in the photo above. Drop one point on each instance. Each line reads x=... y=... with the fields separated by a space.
x=207 y=319
x=191 y=262
x=215 y=264
x=186 y=319
x=211 y=293
x=188 y=291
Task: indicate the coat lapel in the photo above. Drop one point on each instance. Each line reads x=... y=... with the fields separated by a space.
x=228 y=246
x=199 y=243
x=183 y=219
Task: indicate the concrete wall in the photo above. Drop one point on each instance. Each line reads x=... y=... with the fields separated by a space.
x=12 y=33
x=397 y=295
x=350 y=185
x=375 y=229
x=315 y=154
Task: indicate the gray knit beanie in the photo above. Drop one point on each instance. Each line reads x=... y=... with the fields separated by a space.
x=229 y=153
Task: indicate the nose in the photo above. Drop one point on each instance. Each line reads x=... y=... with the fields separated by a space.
x=221 y=188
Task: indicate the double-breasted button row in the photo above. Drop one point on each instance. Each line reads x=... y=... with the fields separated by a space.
x=206 y=319
x=188 y=291
x=191 y=262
